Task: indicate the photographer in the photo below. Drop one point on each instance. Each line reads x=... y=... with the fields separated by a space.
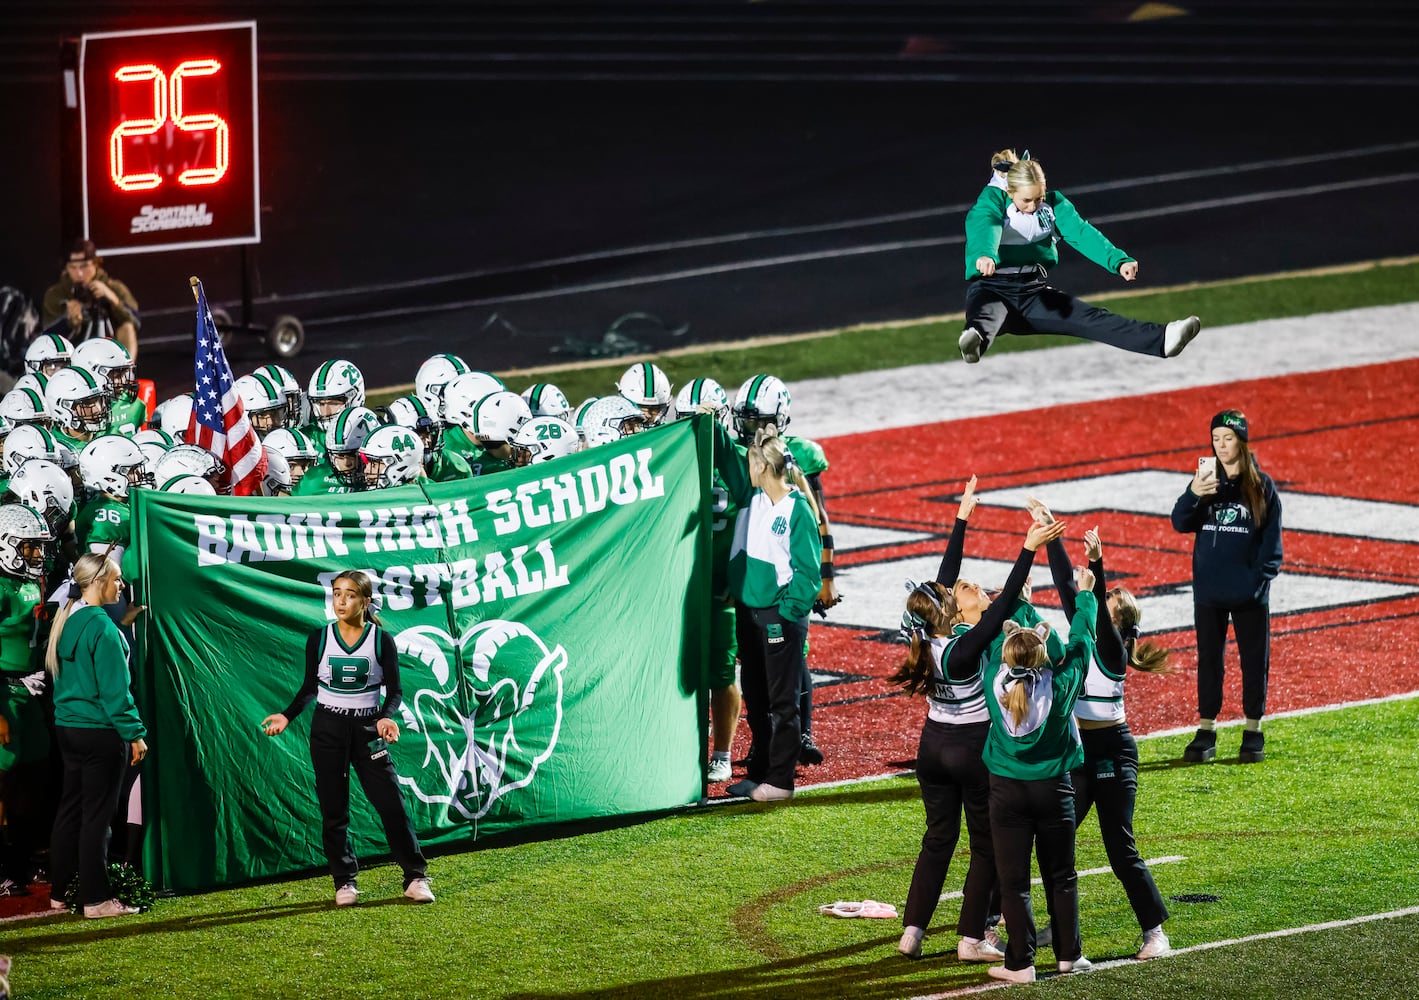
x=94 y=303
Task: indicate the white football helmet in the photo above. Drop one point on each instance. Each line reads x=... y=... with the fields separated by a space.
x=463 y=393
x=109 y=359
x=344 y=440
x=24 y=542
x=264 y=402
x=45 y=487
x=24 y=406
x=335 y=387
x=78 y=400
x=153 y=435
x=5 y=428
x=702 y=392
x=32 y=441
x=542 y=439
x=190 y=460
x=762 y=399
x=496 y=418
x=433 y=378
x=414 y=413
x=647 y=386
x=112 y=464
x=580 y=412
x=189 y=484
x=545 y=400
x=173 y=416
x=298 y=450
x=391 y=456
x=297 y=405
x=277 y=482
x=610 y=418
x=48 y=353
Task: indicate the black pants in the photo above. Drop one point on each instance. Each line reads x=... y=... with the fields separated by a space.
x=953 y=779
x=338 y=742
x=771 y=663
x=1252 y=627
x=94 y=760
x=805 y=697
x=1025 y=304
x=1038 y=813
x=1109 y=779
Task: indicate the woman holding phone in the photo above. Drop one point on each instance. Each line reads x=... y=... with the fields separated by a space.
x=1233 y=511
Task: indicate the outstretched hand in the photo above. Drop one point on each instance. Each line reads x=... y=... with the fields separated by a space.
x=1085 y=578
x=1042 y=534
x=1038 y=510
x=1093 y=547
x=967 y=505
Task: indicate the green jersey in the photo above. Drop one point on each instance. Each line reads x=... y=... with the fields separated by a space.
x=103 y=521
x=319 y=478
x=73 y=443
x=18 y=600
x=807 y=455
x=988 y=235
x=445 y=466
x=127 y=418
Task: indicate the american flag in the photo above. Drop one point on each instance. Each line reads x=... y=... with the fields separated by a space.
x=218 y=421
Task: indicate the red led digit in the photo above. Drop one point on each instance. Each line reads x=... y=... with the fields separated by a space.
x=200 y=123
x=137 y=127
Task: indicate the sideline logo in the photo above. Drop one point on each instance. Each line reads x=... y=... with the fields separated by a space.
x=516 y=686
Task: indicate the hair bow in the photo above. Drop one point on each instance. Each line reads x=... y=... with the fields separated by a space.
x=376 y=604
x=1023 y=675
x=912 y=624
x=73 y=593
x=1130 y=632
x=927 y=591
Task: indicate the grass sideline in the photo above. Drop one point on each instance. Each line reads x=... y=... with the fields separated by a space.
x=720 y=902
x=893 y=345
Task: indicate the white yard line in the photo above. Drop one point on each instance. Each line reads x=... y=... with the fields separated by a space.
x=1028 y=380
x=1205 y=946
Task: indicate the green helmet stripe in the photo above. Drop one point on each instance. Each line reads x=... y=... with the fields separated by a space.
x=754 y=386
x=57 y=342
x=87 y=377
x=265 y=383
x=537 y=394
x=649 y=379
x=35 y=401
x=696 y=391
x=322 y=375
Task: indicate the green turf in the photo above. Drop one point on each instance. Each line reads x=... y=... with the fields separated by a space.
x=721 y=902
x=859 y=350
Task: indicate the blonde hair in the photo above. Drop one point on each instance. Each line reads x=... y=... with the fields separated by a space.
x=1146 y=656
x=1023 y=174
x=768 y=448
x=1024 y=649
x=90 y=567
x=364 y=586
x=920 y=663
x=1003 y=156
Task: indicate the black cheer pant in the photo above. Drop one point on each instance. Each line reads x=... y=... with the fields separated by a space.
x=1252 y=627
x=770 y=662
x=337 y=743
x=1109 y=780
x=953 y=780
x=1038 y=813
x=94 y=760
x=1017 y=304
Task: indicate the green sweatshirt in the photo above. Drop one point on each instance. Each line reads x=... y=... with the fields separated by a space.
x=1060 y=220
x=91 y=690
x=773 y=561
x=1046 y=743
x=18 y=600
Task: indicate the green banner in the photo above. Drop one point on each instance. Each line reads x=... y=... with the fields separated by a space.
x=552 y=629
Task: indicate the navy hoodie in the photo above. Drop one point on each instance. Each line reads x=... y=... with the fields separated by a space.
x=1234 y=559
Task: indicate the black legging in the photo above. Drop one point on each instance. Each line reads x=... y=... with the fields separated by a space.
x=1025 y=304
x=1039 y=814
x=1253 y=631
x=1109 y=779
x=953 y=779
x=770 y=666
x=337 y=744
x=94 y=760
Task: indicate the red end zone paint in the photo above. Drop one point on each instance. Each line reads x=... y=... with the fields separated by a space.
x=1346 y=434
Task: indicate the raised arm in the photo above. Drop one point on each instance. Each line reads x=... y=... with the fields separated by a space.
x=950 y=570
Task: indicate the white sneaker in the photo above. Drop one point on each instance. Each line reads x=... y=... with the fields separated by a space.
x=1179 y=334
x=419 y=891
x=910 y=944
x=770 y=793
x=1155 y=944
x=58 y=904
x=347 y=895
x=108 y=908
x=971 y=343
x=1025 y=975
x=973 y=950
x=1080 y=964
x=719 y=770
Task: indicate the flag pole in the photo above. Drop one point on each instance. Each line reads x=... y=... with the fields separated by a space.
x=195 y=284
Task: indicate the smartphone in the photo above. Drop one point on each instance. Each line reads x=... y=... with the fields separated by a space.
x=1207 y=466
